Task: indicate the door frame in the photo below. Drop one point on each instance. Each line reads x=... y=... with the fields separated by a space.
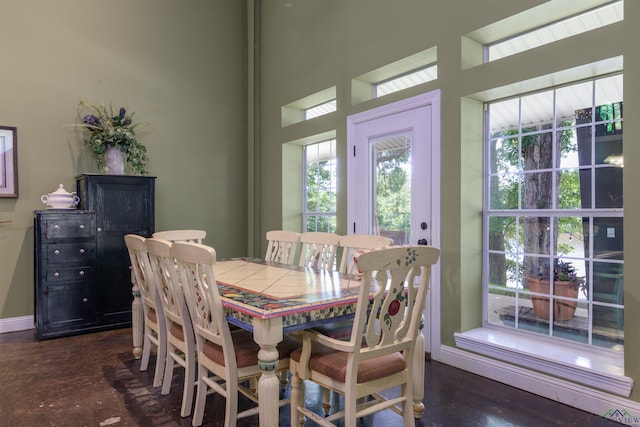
x=432 y=313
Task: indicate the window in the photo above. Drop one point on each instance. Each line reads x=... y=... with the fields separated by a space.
x=418 y=68
x=573 y=25
x=309 y=107
x=554 y=199
x=541 y=25
x=405 y=81
x=320 y=110
x=319 y=209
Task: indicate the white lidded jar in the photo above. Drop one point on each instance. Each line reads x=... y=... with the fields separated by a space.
x=60 y=199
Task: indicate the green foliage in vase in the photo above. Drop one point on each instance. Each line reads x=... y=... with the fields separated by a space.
x=107 y=128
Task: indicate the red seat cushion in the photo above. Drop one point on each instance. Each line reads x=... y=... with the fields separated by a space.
x=177 y=331
x=333 y=364
x=152 y=316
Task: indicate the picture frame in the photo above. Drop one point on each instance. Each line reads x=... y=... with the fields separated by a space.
x=8 y=161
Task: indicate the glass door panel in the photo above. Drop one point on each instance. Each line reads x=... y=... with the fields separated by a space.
x=391 y=187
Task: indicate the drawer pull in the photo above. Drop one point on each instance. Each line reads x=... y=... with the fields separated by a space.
x=81 y=273
x=57 y=251
x=56 y=227
x=99 y=229
x=56 y=274
x=84 y=300
x=81 y=226
x=81 y=250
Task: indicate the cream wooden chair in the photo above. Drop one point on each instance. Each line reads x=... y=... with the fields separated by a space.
x=225 y=358
x=318 y=250
x=352 y=243
x=180 y=338
x=195 y=236
x=155 y=327
x=282 y=246
x=378 y=355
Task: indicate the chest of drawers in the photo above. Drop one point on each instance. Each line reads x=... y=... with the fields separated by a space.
x=65 y=258
x=82 y=266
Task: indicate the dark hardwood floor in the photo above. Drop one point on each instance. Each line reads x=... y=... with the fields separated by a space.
x=93 y=380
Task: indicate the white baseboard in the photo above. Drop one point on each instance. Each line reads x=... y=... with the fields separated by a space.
x=14 y=324
x=597 y=402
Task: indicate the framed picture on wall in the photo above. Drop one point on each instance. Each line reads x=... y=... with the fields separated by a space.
x=8 y=161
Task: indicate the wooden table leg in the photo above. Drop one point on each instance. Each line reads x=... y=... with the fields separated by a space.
x=268 y=333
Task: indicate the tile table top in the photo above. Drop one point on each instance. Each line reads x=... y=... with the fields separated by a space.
x=254 y=288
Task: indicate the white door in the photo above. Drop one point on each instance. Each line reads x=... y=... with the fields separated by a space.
x=393 y=170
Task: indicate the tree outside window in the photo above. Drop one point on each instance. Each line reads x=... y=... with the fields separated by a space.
x=554 y=199
x=319 y=213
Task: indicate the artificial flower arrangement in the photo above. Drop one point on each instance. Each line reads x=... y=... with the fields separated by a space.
x=108 y=129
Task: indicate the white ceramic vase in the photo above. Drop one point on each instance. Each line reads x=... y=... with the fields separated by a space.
x=114 y=161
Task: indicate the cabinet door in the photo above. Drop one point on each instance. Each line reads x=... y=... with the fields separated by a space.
x=66 y=308
x=123 y=205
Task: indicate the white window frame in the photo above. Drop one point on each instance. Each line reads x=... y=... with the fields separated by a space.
x=306 y=213
x=590 y=366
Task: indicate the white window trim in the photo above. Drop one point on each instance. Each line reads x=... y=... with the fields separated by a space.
x=519 y=359
x=593 y=367
x=305 y=165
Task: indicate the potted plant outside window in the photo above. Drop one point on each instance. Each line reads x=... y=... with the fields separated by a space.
x=565 y=284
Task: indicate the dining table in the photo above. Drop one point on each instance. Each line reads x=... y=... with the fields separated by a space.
x=270 y=300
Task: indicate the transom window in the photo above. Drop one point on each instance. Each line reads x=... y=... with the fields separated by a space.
x=553 y=215
x=405 y=81
x=573 y=25
x=319 y=210
x=320 y=110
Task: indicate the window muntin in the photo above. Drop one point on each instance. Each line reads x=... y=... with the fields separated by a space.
x=568 y=27
x=319 y=210
x=554 y=193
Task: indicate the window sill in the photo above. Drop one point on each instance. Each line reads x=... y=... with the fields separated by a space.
x=596 y=368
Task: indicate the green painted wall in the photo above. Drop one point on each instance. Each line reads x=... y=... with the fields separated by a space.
x=181 y=69
x=309 y=46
